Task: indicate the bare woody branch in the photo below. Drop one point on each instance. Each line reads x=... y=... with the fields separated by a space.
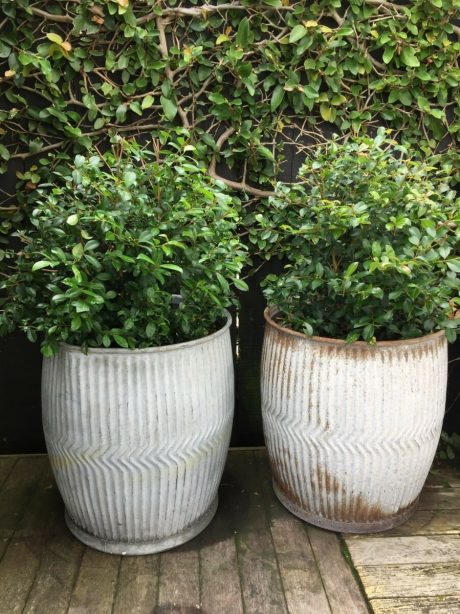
x=236 y=185
x=163 y=48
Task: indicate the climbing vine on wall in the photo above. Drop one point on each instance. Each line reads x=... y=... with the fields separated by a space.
x=246 y=79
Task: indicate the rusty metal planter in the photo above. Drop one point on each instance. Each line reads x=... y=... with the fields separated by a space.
x=138 y=439
x=351 y=429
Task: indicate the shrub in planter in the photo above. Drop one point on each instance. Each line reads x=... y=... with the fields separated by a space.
x=125 y=277
x=355 y=362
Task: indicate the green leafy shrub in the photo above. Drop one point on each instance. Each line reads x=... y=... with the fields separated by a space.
x=370 y=243
x=252 y=81
x=112 y=242
x=449 y=446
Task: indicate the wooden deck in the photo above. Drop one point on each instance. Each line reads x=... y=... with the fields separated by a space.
x=255 y=557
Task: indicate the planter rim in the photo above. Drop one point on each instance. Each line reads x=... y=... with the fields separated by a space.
x=155 y=349
x=270 y=312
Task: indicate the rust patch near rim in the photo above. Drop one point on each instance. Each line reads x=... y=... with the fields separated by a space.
x=363 y=346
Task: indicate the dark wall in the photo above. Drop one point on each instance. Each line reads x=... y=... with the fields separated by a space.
x=20 y=410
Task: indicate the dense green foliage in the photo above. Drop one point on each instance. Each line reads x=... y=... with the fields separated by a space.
x=248 y=79
x=111 y=243
x=370 y=240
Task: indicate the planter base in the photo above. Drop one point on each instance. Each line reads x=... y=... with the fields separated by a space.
x=346 y=527
x=138 y=548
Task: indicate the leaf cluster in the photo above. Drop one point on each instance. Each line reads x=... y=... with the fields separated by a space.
x=369 y=239
x=112 y=242
x=277 y=76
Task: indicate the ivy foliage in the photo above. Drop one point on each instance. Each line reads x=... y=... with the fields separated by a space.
x=245 y=78
x=370 y=239
x=111 y=242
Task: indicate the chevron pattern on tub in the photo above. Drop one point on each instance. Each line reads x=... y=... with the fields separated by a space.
x=138 y=440
x=351 y=430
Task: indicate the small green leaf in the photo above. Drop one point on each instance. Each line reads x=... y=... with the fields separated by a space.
x=55 y=38
x=4 y=153
x=72 y=220
x=454 y=265
x=297 y=33
x=150 y=329
x=388 y=54
x=265 y=152
x=217 y=98
x=172 y=267
x=120 y=113
x=41 y=264
x=77 y=251
x=222 y=282
x=169 y=107
x=350 y=269
x=147 y=102
x=327 y=113
x=242 y=35
x=47 y=350
x=277 y=97
x=75 y=323
x=121 y=341
x=241 y=285
x=223 y=38
x=376 y=249
x=409 y=58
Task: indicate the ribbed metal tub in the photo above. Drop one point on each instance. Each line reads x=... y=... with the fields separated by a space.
x=351 y=429
x=138 y=439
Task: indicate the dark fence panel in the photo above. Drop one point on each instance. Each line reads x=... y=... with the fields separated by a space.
x=20 y=409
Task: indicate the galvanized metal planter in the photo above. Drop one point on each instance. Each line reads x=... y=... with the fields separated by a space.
x=138 y=439
x=351 y=429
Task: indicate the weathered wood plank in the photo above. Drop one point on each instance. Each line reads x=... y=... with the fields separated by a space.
x=221 y=590
x=302 y=583
x=430 y=580
x=452 y=476
x=44 y=510
x=342 y=590
x=436 y=480
x=417 y=605
x=179 y=581
x=405 y=550
x=220 y=582
x=440 y=499
x=445 y=475
x=56 y=576
x=17 y=491
x=3 y=545
x=434 y=522
x=260 y=579
x=18 y=568
x=137 y=591
x=301 y=579
x=6 y=466
x=95 y=587
x=422 y=522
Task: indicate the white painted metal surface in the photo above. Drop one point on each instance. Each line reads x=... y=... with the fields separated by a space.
x=351 y=429
x=138 y=439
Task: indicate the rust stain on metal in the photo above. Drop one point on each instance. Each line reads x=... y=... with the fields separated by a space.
x=277 y=474
x=354 y=508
